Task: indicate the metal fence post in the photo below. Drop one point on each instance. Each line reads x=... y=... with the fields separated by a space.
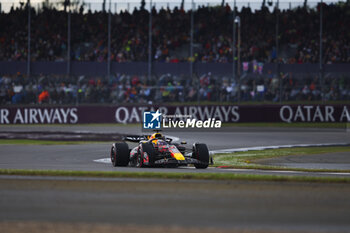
x=238 y=21
x=277 y=54
x=150 y=42
x=233 y=43
x=109 y=42
x=68 y=40
x=28 y=48
x=191 y=42
x=321 y=55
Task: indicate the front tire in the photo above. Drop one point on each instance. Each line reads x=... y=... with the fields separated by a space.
x=146 y=156
x=201 y=153
x=120 y=154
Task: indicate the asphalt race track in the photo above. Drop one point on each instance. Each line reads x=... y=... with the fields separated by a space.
x=68 y=204
x=236 y=205
x=228 y=137
x=81 y=157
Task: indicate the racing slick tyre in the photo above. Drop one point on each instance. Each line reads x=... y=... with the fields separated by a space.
x=120 y=154
x=146 y=156
x=201 y=153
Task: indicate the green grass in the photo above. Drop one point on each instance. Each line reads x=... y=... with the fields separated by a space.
x=43 y=142
x=178 y=176
x=246 y=159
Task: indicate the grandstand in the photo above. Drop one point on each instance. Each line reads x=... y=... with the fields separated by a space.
x=63 y=52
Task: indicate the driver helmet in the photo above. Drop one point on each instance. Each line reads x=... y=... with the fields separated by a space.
x=156 y=135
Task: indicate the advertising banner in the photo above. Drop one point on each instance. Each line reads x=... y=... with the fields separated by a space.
x=126 y=114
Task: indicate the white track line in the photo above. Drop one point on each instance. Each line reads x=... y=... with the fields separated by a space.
x=103 y=160
x=274 y=147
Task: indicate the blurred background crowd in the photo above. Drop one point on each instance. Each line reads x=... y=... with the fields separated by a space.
x=166 y=88
x=298 y=43
x=298 y=34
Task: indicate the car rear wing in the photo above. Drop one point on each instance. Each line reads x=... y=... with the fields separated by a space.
x=135 y=138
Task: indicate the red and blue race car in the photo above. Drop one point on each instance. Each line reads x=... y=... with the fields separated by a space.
x=157 y=150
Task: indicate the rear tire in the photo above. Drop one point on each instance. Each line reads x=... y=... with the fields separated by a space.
x=120 y=154
x=201 y=153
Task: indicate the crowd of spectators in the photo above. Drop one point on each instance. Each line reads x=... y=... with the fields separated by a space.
x=167 y=88
x=298 y=34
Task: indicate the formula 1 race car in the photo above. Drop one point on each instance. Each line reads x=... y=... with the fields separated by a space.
x=158 y=151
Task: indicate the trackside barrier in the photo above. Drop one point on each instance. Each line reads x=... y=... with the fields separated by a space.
x=133 y=113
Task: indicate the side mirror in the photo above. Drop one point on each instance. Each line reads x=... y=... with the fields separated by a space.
x=183 y=142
